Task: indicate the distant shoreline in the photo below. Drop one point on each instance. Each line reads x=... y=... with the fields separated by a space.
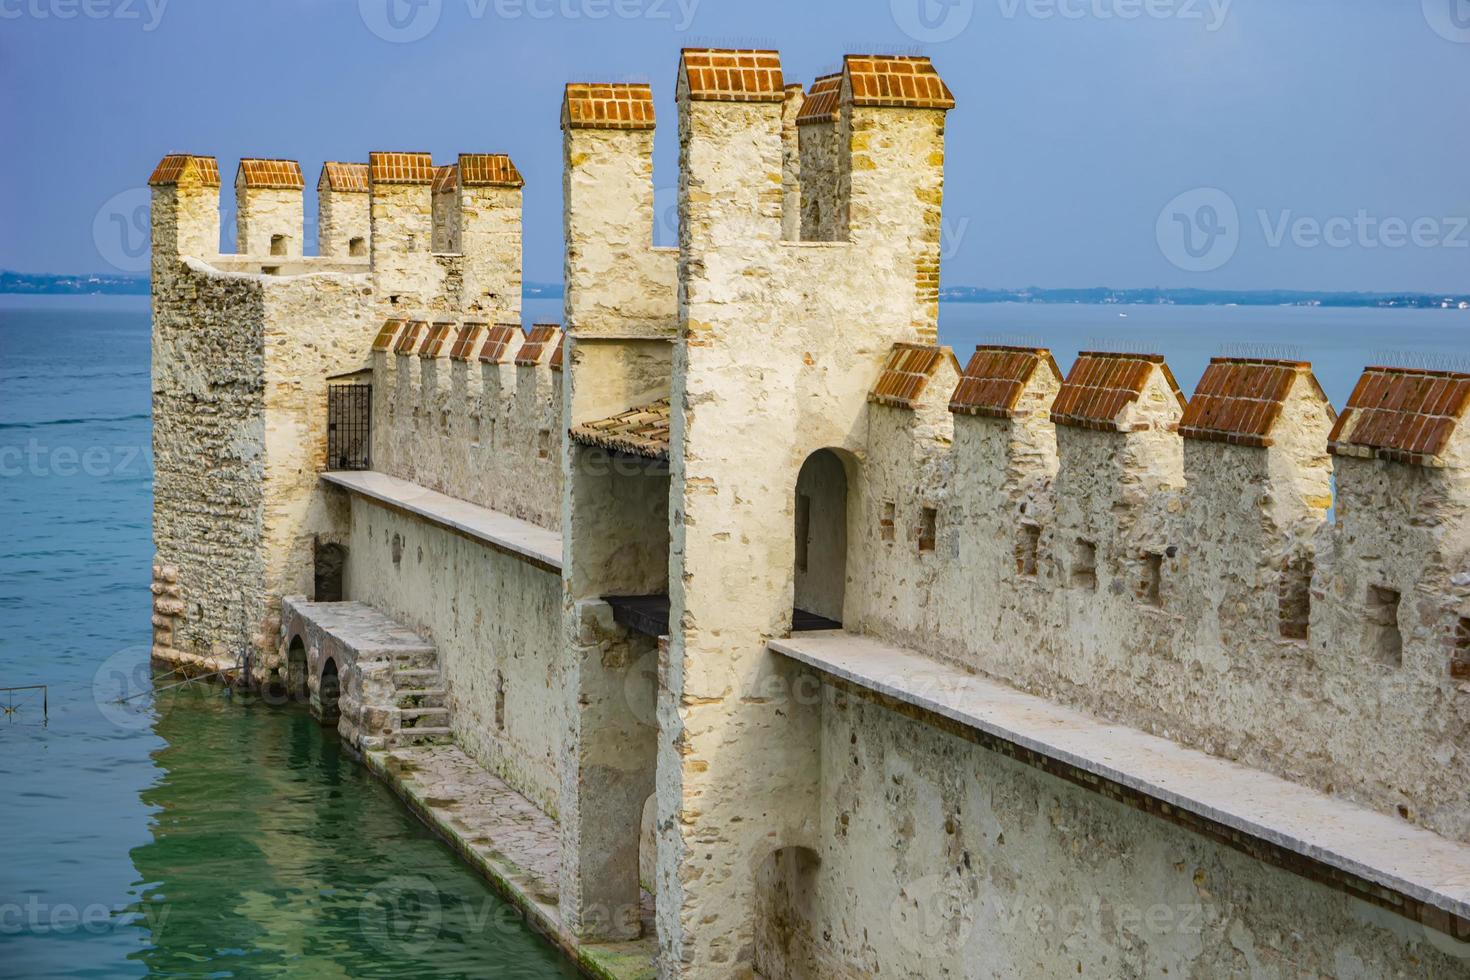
x=108 y=284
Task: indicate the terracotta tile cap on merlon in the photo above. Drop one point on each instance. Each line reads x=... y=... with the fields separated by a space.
x=1101 y=384
x=1402 y=415
x=993 y=382
x=185 y=168
x=612 y=105
x=400 y=168
x=259 y=174
x=344 y=178
x=1239 y=400
x=906 y=374
x=901 y=82
x=736 y=75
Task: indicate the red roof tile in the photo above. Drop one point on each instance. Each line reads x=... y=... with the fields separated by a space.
x=1404 y=415
x=184 y=168
x=438 y=337
x=284 y=175
x=821 y=103
x=907 y=373
x=1102 y=384
x=408 y=341
x=446 y=178
x=558 y=356
x=344 y=178
x=488 y=170
x=1239 y=400
x=995 y=378
x=385 y=336
x=905 y=82
x=542 y=336
x=465 y=343
x=642 y=431
x=400 y=168
x=607 y=106
x=733 y=76
x=497 y=340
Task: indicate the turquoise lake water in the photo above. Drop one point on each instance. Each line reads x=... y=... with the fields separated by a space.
x=196 y=834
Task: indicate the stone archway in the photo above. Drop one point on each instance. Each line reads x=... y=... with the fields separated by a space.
x=297 y=670
x=328 y=694
x=821 y=536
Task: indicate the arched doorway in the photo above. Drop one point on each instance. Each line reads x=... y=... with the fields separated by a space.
x=821 y=537
x=328 y=692
x=296 y=670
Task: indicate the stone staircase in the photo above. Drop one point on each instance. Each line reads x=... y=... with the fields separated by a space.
x=419 y=700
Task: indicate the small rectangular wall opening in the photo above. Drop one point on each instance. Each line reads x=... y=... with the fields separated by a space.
x=1084 y=564
x=1294 y=600
x=1385 y=641
x=1028 y=546
x=278 y=244
x=357 y=247
x=1460 y=661
x=543 y=444
x=928 y=525
x=477 y=428
x=803 y=530
x=499 y=701
x=887 y=529
x=1151 y=586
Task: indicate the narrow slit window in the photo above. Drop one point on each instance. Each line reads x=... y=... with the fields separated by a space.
x=1294 y=601
x=1028 y=547
x=1460 y=664
x=499 y=701
x=1387 y=643
x=928 y=523
x=543 y=444
x=1084 y=565
x=1151 y=588
x=803 y=530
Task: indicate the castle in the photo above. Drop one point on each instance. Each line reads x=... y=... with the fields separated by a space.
x=740 y=629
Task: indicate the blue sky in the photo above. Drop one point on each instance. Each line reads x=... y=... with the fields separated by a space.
x=1314 y=144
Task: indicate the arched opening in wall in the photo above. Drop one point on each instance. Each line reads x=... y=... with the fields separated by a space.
x=821 y=541
x=329 y=565
x=648 y=848
x=785 y=900
x=328 y=693
x=357 y=247
x=278 y=244
x=296 y=670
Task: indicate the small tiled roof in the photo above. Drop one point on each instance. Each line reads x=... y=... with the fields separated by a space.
x=400 y=168
x=185 y=168
x=821 y=102
x=1101 y=384
x=464 y=344
x=559 y=356
x=907 y=373
x=542 y=335
x=438 y=337
x=889 y=80
x=1404 y=415
x=344 y=178
x=284 y=175
x=1239 y=400
x=385 y=336
x=607 y=106
x=733 y=76
x=408 y=341
x=497 y=342
x=642 y=431
x=995 y=378
x=488 y=170
x=446 y=178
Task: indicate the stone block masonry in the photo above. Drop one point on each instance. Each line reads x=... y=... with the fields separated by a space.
x=758 y=430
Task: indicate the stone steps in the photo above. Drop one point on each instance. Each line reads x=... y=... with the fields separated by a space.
x=420 y=697
x=406 y=679
x=423 y=718
x=405 y=737
x=416 y=660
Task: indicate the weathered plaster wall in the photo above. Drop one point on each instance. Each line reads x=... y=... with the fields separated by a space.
x=939 y=858
x=495 y=622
